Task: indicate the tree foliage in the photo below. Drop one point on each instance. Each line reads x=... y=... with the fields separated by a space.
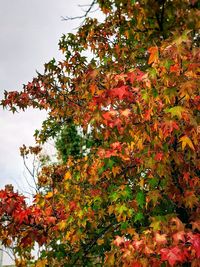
x=69 y=142
x=132 y=198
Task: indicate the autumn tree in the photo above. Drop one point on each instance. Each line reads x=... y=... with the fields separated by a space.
x=132 y=197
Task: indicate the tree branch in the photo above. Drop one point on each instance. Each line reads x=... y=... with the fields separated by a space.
x=83 y=16
x=160 y=16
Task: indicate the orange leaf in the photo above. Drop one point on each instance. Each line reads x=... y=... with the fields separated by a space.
x=153 y=54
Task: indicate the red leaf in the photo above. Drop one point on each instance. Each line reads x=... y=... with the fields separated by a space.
x=136 y=264
x=179 y=236
x=120 y=92
x=175 y=68
x=118 y=241
x=72 y=205
x=147 y=114
x=194 y=239
x=158 y=156
x=173 y=255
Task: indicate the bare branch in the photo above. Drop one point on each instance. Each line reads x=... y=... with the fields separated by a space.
x=32 y=175
x=83 y=16
x=11 y=257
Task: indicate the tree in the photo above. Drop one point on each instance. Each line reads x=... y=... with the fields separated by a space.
x=132 y=199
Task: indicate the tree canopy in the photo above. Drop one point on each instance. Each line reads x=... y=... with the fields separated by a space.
x=127 y=190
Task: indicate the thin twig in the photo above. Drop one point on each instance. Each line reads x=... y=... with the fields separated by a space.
x=12 y=258
x=83 y=16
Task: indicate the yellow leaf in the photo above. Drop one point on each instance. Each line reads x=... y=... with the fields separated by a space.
x=131 y=231
x=111 y=209
x=116 y=170
x=126 y=112
x=49 y=195
x=41 y=202
x=41 y=263
x=176 y=111
x=186 y=141
x=67 y=175
x=62 y=225
x=140 y=144
x=141 y=183
x=155 y=224
x=100 y=241
x=110 y=259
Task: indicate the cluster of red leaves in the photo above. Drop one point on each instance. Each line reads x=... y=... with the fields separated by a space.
x=178 y=246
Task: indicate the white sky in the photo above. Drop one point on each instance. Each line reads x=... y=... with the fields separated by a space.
x=29 y=35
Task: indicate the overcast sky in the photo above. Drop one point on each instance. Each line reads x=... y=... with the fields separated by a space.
x=29 y=35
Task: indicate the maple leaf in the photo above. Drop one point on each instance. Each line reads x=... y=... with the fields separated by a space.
x=100 y=242
x=161 y=239
x=125 y=112
x=67 y=175
x=190 y=199
x=109 y=115
x=178 y=223
x=138 y=244
x=173 y=255
x=49 y=195
x=22 y=215
x=158 y=156
x=120 y=92
x=196 y=225
x=116 y=146
x=116 y=170
x=154 y=196
x=136 y=264
x=153 y=54
x=72 y=205
x=175 y=68
x=176 y=111
x=186 y=141
x=155 y=224
x=140 y=198
x=118 y=241
x=147 y=114
x=93 y=88
x=62 y=225
x=179 y=236
x=51 y=220
x=194 y=239
x=131 y=76
x=41 y=263
x=110 y=258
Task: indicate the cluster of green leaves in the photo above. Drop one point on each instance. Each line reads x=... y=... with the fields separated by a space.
x=69 y=142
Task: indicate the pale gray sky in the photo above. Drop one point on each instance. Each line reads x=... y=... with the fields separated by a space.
x=29 y=35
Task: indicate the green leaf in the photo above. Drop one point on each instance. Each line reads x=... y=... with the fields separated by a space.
x=139 y=217
x=140 y=198
x=152 y=73
x=114 y=196
x=154 y=92
x=176 y=111
x=153 y=182
x=124 y=225
x=110 y=163
x=127 y=193
x=168 y=64
x=121 y=208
